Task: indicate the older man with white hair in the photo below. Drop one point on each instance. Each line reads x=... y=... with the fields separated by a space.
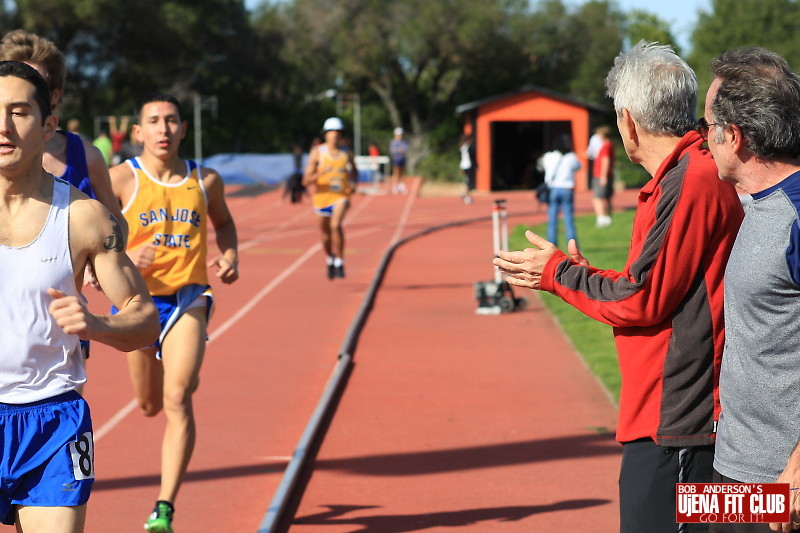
x=666 y=304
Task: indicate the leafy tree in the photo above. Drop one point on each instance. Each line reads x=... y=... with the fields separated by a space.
x=773 y=24
x=415 y=56
x=411 y=61
x=119 y=51
x=601 y=28
x=643 y=25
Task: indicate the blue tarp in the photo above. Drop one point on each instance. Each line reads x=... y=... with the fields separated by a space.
x=268 y=169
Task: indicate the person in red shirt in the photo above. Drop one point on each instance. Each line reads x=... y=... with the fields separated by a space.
x=666 y=305
x=118 y=136
x=603 y=178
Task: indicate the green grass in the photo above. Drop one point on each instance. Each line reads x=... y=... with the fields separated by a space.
x=604 y=248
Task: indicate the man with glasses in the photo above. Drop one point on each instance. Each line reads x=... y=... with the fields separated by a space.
x=666 y=304
x=753 y=111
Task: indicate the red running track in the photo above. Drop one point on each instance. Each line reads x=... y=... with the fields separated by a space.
x=449 y=419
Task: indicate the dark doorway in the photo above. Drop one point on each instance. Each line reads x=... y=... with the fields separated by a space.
x=516 y=146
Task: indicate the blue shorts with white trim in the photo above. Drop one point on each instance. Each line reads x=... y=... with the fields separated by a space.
x=47 y=454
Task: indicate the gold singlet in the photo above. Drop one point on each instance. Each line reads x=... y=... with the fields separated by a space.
x=172 y=216
x=333 y=185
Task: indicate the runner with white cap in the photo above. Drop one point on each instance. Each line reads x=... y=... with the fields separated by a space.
x=332 y=170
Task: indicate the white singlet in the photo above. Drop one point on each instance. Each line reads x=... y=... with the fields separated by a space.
x=37 y=359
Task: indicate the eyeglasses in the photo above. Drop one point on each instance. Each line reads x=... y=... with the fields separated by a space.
x=702 y=128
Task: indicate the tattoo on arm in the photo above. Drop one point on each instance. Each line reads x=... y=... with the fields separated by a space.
x=115 y=241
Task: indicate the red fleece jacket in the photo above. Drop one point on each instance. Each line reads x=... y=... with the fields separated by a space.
x=666 y=304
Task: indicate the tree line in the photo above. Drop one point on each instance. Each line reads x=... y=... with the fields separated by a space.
x=274 y=66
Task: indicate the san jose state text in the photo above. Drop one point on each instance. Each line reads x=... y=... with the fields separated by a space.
x=172 y=240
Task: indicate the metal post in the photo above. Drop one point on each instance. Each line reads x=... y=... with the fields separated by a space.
x=503 y=224
x=498 y=276
x=357 y=120
x=198 y=129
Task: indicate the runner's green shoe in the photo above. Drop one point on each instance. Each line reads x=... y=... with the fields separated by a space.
x=161 y=519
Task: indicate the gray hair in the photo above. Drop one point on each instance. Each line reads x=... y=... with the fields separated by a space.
x=761 y=95
x=657 y=88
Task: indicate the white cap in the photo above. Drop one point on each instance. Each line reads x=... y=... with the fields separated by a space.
x=333 y=123
x=398 y=131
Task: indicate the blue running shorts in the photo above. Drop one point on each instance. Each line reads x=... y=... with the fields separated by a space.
x=47 y=454
x=173 y=306
x=328 y=211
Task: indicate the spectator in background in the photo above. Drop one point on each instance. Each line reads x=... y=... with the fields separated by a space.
x=103 y=143
x=603 y=178
x=398 y=151
x=294 y=187
x=560 y=165
x=595 y=142
x=467 y=166
x=118 y=135
x=666 y=305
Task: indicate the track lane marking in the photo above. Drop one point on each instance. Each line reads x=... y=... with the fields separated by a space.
x=129 y=407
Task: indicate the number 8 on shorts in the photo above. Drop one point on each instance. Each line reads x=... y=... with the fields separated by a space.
x=82 y=451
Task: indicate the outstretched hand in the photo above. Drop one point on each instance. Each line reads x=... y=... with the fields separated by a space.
x=524 y=269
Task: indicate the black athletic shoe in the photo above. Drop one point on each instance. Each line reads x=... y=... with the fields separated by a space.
x=340 y=271
x=331 y=271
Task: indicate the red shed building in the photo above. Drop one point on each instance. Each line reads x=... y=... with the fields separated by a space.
x=512 y=130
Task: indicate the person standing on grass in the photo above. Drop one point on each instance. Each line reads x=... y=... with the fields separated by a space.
x=168 y=202
x=48 y=231
x=603 y=177
x=560 y=165
x=595 y=142
x=666 y=305
x=331 y=169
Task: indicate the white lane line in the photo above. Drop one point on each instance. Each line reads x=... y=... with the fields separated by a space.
x=406 y=212
x=128 y=408
x=115 y=420
x=263 y=292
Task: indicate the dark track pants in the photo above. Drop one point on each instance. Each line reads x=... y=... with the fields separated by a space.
x=647 y=481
